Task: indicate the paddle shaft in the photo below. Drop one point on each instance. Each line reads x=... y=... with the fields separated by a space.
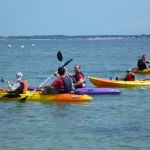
x=41 y=84
x=66 y=71
x=23 y=99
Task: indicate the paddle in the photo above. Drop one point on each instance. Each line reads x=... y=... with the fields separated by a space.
x=10 y=95
x=2 y=80
x=23 y=99
x=60 y=58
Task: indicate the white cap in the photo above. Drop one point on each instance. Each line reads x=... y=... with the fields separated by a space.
x=19 y=76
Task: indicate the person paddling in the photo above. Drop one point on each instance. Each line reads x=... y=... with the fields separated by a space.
x=61 y=85
x=21 y=85
x=142 y=63
x=129 y=76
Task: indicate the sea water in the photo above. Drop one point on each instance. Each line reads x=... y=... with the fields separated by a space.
x=111 y=122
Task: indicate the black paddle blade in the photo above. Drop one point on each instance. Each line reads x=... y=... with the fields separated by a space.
x=2 y=80
x=65 y=64
x=23 y=99
x=59 y=56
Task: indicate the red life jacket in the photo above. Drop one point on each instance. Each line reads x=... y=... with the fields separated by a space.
x=129 y=77
x=75 y=80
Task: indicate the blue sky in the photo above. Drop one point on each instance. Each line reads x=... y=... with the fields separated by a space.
x=74 y=17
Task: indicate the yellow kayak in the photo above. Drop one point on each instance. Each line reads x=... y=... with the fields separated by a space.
x=135 y=70
x=101 y=82
x=38 y=96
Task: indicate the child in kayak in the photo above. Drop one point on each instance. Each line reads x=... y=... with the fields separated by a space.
x=129 y=76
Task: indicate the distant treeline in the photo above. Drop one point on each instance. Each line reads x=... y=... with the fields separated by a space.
x=74 y=37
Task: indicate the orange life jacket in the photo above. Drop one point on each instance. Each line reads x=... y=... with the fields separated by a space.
x=23 y=88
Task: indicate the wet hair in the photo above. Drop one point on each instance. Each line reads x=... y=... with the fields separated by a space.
x=61 y=70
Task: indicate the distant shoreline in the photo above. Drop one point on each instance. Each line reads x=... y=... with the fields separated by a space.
x=86 y=37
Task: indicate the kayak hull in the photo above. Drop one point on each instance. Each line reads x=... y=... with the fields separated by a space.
x=90 y=91
x=99 y=91
x=37 y=96
x=135 y=70
x=100 y=82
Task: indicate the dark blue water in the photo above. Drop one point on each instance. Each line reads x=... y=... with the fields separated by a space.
x=108 y=122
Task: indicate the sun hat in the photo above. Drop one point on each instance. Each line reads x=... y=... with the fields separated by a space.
x=128 y=70
x=19 y=76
